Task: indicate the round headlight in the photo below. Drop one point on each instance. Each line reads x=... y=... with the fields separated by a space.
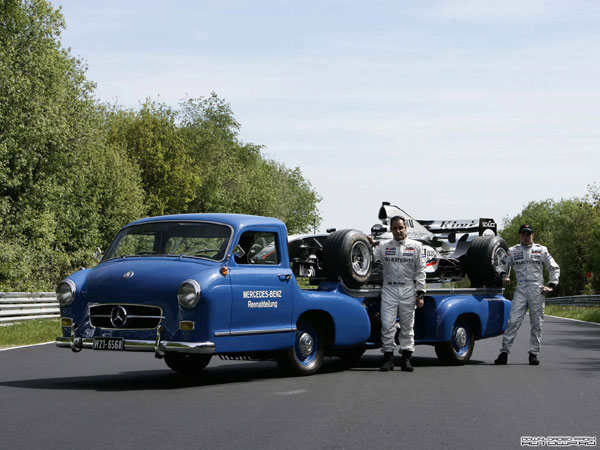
x=189 y=293
x=65 y=292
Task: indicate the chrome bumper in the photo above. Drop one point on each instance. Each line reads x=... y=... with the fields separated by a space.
x=133 y=345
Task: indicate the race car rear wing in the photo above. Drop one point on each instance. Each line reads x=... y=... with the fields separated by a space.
x=441 y=229
x=461 y=226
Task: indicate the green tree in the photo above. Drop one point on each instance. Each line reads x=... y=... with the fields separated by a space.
x=59 y=181
x=569 y=228
x=153 y=140
x=235 y=176
x=72 y=172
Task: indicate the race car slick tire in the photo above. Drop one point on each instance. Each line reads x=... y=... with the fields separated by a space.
x=482 y=260
x=306 y=356
x=347 y=255
x=460 y=347
x=186 y=364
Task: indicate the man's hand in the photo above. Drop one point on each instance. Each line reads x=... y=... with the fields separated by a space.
x=420 y=302
x=546 y=289
x=505 y=280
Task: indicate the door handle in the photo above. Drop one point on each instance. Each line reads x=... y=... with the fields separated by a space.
x=284 y=276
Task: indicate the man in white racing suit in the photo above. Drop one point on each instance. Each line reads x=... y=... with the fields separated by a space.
x=403 y=288
x=528 y=260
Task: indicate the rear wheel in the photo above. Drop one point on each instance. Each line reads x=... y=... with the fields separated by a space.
x=306 y=356
x=483 y=260
x=347 y=255
x=460 y=348
x=185 y=363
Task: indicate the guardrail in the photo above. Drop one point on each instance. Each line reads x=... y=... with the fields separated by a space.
x=575 y=300
x=16 y=306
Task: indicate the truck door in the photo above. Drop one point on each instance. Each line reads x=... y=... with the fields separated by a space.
x=261 y=287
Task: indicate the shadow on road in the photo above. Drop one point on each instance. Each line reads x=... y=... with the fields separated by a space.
x=218 y=374
x=371 y=362
x=156 y=379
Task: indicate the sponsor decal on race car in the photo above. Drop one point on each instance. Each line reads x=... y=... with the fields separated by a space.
x=456 y=224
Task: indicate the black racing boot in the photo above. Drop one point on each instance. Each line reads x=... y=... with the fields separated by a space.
x=405 y=365
x=533 y=359
x=502 y=359
x=388 y=362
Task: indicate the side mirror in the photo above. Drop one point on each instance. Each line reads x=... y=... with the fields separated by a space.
x=238 y=251
x=378 y=229
x=98 y=253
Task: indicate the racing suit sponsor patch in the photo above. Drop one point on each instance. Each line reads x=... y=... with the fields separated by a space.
x=518 y=255
x=396 y=259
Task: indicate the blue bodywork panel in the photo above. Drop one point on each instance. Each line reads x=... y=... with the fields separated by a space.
x=253 y=304
x=488 y=315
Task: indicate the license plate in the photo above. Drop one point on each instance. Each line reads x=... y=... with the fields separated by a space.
x=113 y=344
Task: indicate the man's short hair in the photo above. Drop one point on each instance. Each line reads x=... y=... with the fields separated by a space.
x=397 y=218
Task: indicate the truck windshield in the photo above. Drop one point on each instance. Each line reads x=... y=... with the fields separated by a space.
x=194 y=239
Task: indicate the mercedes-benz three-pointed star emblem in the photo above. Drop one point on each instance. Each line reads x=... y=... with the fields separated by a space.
x=118 y=316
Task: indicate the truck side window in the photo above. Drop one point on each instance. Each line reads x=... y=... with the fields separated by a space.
x=260 y=247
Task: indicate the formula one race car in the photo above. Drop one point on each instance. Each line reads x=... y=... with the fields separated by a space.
x=453 y=249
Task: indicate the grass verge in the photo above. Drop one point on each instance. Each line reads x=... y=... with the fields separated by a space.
x=587 y=313
x=29 y=332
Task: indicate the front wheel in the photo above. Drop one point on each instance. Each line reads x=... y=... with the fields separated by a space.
x=460 y=348
x=186 y=363
x=306 y=356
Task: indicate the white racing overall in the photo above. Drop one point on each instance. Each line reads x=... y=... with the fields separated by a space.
x=528 y=263
x=403 y=274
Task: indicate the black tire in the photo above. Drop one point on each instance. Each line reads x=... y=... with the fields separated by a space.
x=347 y=255
x=460 y=347
x=306 y=356
x=185 y=363
x=482 y=259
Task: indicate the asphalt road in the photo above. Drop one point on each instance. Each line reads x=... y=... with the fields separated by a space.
x=51 y=398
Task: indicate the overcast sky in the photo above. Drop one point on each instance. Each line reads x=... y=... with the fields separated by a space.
x=449 y=109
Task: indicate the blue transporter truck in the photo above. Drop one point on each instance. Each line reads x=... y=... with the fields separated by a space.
x=187 y=287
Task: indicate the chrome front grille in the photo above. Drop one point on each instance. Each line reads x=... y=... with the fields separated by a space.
x=123 y=316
